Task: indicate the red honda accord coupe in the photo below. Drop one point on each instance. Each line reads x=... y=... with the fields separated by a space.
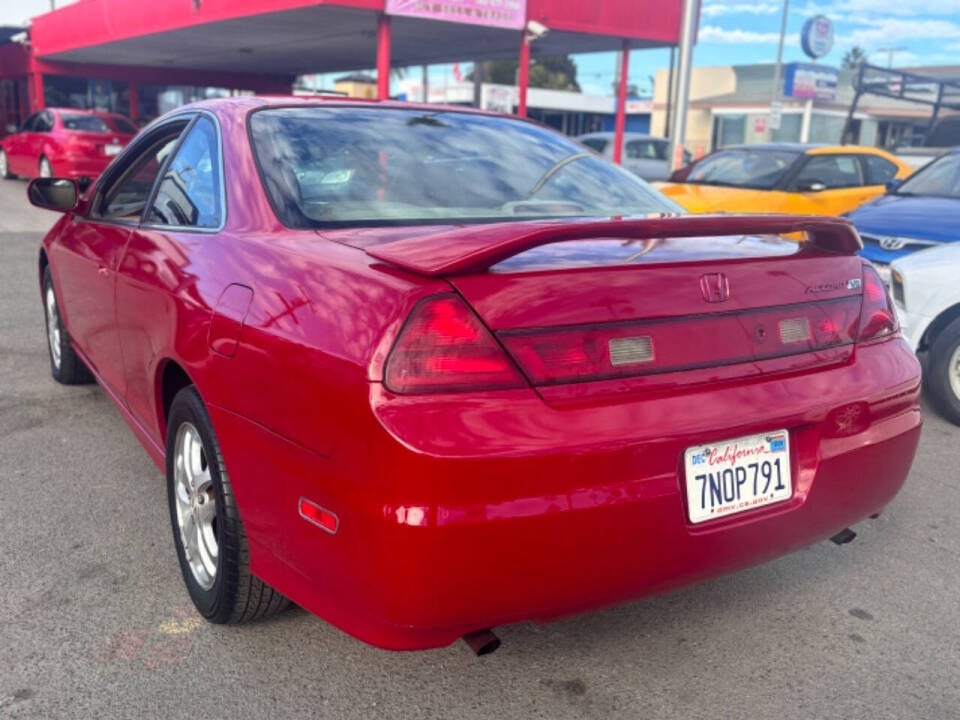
x=425 y=371
x=65 y=142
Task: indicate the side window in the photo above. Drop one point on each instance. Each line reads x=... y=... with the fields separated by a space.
x=189 y=194
x=125 y=195
x=879 y=171
x=646 y=150
x=833 y=171
x=44 y=122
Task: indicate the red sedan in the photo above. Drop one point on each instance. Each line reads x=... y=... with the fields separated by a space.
x=66 y=143
x=425 y=371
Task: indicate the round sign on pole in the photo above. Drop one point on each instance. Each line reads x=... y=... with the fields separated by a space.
x=816 y=38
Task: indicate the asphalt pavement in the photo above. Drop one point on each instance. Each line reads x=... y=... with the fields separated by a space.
x=95 y=621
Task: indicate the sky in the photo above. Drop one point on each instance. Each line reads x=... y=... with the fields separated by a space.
x=921 y=32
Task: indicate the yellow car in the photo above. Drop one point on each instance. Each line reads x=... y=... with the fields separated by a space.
x=785 y=178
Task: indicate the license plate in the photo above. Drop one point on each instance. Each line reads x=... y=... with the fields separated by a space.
x=111 y=150
x=733 y=476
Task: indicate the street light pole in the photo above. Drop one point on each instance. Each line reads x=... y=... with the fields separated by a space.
x=688 y=33
x=775 y=105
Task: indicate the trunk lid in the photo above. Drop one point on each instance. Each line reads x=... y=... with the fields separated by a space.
x=669 y=300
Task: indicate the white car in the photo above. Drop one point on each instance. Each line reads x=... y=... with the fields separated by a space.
x=926 y=290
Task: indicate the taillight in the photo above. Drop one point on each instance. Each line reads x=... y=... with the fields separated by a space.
x=445 y=348
x=877 y=316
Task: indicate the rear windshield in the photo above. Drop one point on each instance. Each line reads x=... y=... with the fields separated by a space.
x=747 y=167
x=85 y=123
x=350 y=166
x=122 y=125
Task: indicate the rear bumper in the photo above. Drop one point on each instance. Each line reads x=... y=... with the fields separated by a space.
x=80 y=166
x=465 y=513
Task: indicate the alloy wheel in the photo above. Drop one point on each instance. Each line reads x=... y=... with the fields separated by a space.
x=53 y=326
x=196 y=505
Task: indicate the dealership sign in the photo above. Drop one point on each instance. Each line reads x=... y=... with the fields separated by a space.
x=510 y=14
x=806 y=81
x=816 y=37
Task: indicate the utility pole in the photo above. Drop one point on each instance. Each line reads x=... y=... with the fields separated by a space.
x=891 y=51
x=776 y=107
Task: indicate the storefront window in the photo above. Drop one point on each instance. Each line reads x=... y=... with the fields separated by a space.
x=789 y=128
x=826 y=128
x=729 y=130
x=86 y=93
x=155 y=100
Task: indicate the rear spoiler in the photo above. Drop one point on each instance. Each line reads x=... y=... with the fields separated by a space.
x=476 y=248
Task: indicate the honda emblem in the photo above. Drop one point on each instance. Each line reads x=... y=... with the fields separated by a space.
x=715 y=287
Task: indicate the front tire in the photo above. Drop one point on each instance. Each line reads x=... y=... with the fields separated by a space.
x=943 y=376
x=66 y=367
x=208 y=534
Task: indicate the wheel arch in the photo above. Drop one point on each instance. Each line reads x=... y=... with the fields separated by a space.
x=43 y=261
x=171 y=379
x=937 y=326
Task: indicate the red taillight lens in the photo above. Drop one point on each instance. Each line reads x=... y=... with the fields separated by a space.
x=444 y=347
x=877 y=316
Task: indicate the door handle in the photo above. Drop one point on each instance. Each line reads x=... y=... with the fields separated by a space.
x=103 y=272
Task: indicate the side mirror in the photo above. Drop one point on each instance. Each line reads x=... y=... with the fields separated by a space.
x=811 y=186
x=53 y=194
x=894 y=185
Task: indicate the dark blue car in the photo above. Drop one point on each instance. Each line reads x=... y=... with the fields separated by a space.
x=922 y=211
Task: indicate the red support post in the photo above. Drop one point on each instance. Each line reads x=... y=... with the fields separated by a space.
x=383 y=56
x=37 y=101
x=523 y=75
x=621 y=122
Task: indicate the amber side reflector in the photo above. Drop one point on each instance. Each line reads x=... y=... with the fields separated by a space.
x=319 y=516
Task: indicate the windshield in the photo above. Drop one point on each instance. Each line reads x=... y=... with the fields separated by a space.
x=760 y=169
x=355 y=166
x=85 y=123
x=940 y=178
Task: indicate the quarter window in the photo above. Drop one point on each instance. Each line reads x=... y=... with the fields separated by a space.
x=189 y=194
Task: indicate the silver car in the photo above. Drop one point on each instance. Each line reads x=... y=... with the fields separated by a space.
x=643 y=155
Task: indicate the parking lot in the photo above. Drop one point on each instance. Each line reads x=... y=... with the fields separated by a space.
x=96 y=622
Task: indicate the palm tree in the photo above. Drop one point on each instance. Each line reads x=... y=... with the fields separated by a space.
x=854 y=58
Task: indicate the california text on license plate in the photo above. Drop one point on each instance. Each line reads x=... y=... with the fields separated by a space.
x=110 y=150
x=737 y=475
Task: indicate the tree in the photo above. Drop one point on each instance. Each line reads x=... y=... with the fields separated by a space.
x=553 y=73
x=854 y=58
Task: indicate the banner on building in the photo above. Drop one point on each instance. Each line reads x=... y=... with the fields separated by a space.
x=509 y=14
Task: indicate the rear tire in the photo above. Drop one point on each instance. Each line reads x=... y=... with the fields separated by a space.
x=209 y=537
x=66 y=367
x=44 y=169
x=4 y=166
x=943 y=377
